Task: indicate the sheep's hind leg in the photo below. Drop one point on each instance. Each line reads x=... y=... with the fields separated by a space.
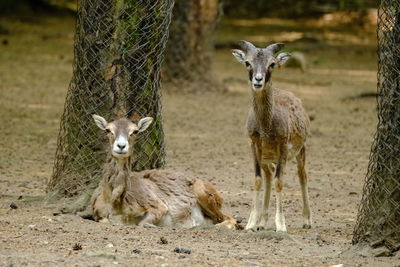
x=280 y=170
x=211 y=202
x=301 y=158
x=152 y=217
x=268 y=170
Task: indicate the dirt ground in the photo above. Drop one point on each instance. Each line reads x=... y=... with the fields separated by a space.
x=205 y=137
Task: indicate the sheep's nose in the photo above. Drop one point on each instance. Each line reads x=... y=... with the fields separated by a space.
x=121 y=146
x=258 y=77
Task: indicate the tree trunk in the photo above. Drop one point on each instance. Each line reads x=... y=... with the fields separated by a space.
x=188 y=60
x=79 y=153
x=378 y=221
x=118 y=53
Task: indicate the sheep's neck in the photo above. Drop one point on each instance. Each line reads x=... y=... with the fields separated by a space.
x=117 y=168
x=263 y=104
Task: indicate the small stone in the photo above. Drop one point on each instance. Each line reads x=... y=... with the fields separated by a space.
x=13 y=206
x=163 y=241
x=238 y=219
x=136 y=251
x=77 y=246
x=182 y=250
x=149 y=225
x=110 y=245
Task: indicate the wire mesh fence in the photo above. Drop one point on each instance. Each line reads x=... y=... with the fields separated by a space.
x=118 y=52
x=378 y=221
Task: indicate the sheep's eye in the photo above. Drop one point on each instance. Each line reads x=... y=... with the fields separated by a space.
x=135 y=132
x=247 y=64
x=272 y=65
x=108 y=131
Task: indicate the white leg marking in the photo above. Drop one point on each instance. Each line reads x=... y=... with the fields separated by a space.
x=197 y=216
x=279 y=217
x=256 y=211
x=265 y=205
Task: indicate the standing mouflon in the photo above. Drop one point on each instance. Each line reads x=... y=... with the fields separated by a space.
x=278 y=126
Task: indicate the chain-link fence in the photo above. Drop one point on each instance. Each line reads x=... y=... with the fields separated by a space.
x=118 y=53
x=378 y=221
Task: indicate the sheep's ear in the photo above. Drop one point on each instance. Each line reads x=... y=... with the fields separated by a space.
x=282 y=58
x=239 y=55
x=144 y=123
x=100 y=121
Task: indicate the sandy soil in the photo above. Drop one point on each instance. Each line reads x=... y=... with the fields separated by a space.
x=205 y=137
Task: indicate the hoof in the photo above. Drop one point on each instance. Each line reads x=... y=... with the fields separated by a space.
x=149 y=225
x=104 y=220
x=260 y=228
x=85 y=215
x=256 y=229
x=229 y=224
x=281 y=229
x=306 y=226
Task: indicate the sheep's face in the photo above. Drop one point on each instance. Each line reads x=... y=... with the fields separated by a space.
x=260 y=62
x=122 y=133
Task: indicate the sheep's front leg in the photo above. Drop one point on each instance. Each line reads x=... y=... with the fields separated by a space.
x=117 y=193
x=268 y=169
x=280 y=170
x=255 y=214
x=118 y=186
x=153 y=216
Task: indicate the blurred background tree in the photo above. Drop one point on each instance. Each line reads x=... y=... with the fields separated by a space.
x=292 y=8
x=189 y=50
x=22 y=6
x=231 y=8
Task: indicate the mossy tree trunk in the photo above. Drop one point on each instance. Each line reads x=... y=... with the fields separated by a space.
x=378 y=221
x=118 y=54
x=79 y=148
x=141 y=31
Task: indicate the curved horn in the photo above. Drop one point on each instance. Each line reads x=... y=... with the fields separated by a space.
x=246 y=46
x=275 y=47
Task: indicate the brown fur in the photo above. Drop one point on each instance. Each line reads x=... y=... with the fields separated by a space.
x=277 y=118
x=158 y=197
x=278 y=127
